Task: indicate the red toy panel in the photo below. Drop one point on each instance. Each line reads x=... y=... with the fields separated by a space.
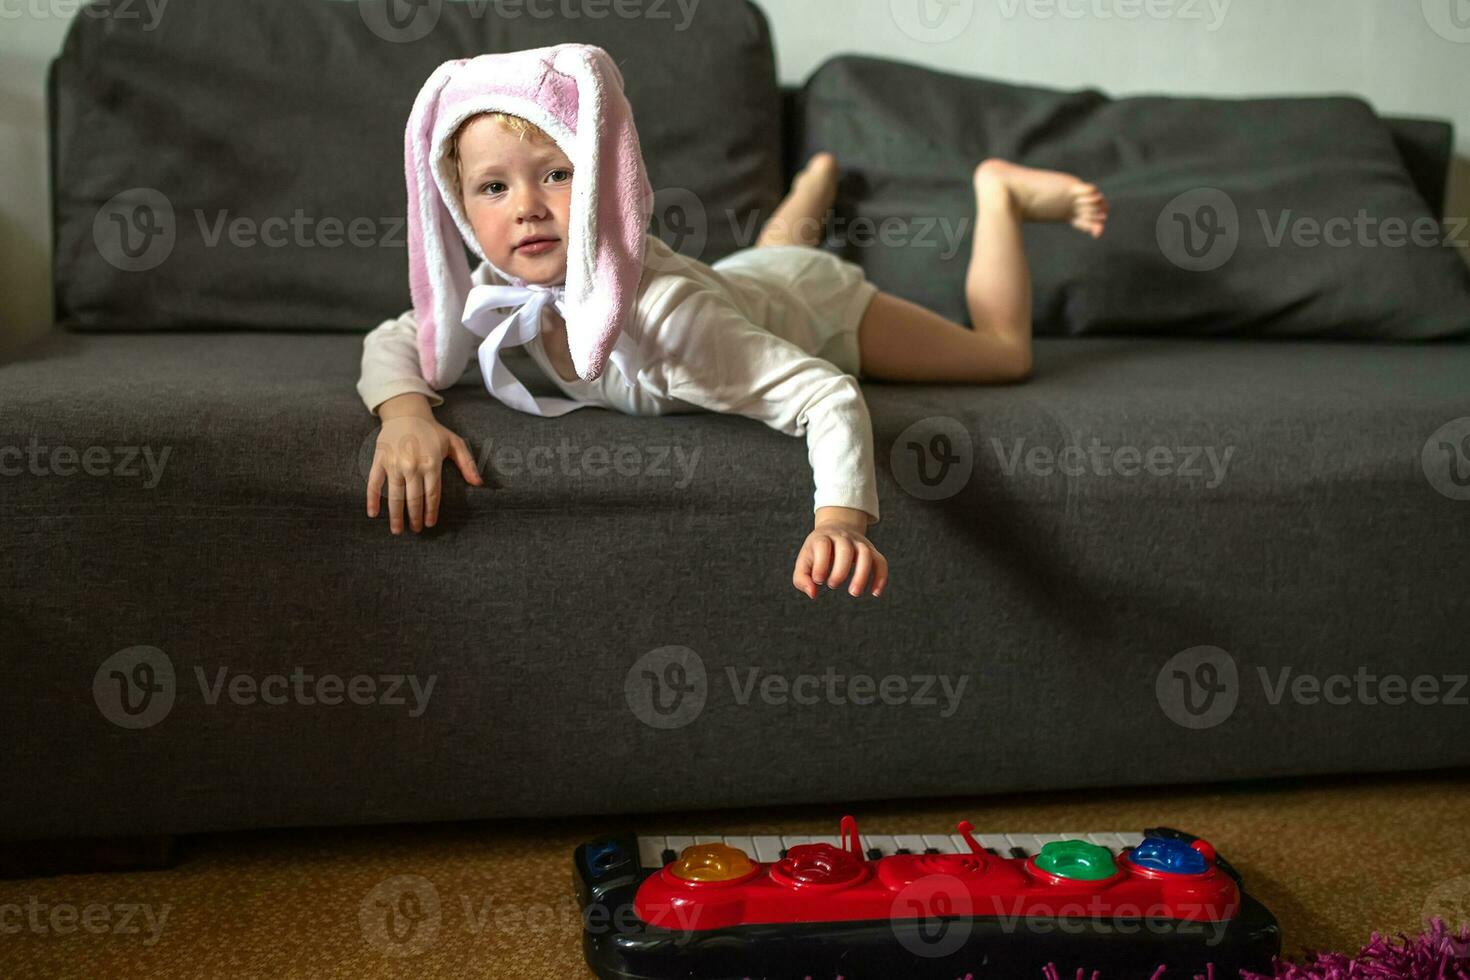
x=715 y=886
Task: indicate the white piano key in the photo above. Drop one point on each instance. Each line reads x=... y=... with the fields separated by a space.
x=996 y=842
x=767 y=849
x=1026 y=842
x=1130 y=838
x=650 y=852
x=834 y=841
x=793 y=841
x=677 y=844
x=886 y=845
x=1074 y=835
x=1108 y=840
x=913 y=842
x=939 y=842
x=708 y=839
x=1044 y=839
x=746 y=844
x=962 y=846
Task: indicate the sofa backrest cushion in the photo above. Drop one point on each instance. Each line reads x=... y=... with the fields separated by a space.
x=1287 y=217
x=240 y=165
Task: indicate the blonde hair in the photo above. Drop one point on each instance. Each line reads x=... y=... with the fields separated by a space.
x=515 y=125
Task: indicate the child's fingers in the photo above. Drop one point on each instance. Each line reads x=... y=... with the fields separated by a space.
x=880 y=577
x=465 y=461
x=841 y=561
x=395 y=502
x=432 y=482
x=802 y=576
x=413 y=492
x=821 y=547
x=861 y=571
x=375 y=486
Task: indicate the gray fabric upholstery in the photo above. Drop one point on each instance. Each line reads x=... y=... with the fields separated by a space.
x=1289 y=217
x=1324 y=548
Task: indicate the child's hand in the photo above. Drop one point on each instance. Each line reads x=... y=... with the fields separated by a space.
x=410 y=457
x=839 y=544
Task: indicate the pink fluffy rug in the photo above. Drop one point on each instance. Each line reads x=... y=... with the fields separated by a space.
x=1435 y=954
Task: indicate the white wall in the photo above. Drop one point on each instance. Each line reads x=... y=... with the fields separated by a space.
x=1407 y=57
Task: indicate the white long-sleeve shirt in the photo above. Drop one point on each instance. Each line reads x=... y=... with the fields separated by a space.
x=704 y=344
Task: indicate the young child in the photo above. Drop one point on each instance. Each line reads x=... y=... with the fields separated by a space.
x=779 y=332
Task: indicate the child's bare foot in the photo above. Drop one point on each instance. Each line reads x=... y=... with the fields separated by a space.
x=1046 y=195
x=798 y=218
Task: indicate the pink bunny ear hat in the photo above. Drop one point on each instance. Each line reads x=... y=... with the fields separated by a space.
x=574 y=92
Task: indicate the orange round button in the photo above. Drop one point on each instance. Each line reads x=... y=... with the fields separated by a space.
x=712 y=862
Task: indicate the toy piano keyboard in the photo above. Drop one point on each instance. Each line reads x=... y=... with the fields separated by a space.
x=1003 y=906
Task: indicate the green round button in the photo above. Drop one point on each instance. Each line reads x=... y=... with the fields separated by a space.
x=1076 y=859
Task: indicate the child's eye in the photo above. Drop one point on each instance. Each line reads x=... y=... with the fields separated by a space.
x=489 y=187
x=567 y=172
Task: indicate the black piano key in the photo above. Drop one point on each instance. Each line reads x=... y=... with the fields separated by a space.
x=668 y=856
x=1019 y=852
x=931 y=850
x=783 y=853
x=874 y=854
x=903 y=850
x=991 y=852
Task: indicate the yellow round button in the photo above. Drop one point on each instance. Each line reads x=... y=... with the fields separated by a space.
x=711 y=862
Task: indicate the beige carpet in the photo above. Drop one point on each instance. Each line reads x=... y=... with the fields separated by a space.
x=1334 y=859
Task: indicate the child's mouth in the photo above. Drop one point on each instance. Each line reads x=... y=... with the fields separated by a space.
x=538 y=246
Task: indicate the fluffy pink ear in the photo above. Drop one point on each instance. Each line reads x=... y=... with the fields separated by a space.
x=610 y=211
x=438 y=273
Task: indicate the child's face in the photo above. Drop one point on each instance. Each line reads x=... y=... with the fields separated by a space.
x=514 y=189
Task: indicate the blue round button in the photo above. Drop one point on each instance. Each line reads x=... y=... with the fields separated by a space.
x=1169 y=856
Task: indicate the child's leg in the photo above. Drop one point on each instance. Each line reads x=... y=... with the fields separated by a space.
x=798 y=219
x=902 y=341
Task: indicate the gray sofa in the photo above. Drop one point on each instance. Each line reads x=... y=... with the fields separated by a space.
x=204 y=631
